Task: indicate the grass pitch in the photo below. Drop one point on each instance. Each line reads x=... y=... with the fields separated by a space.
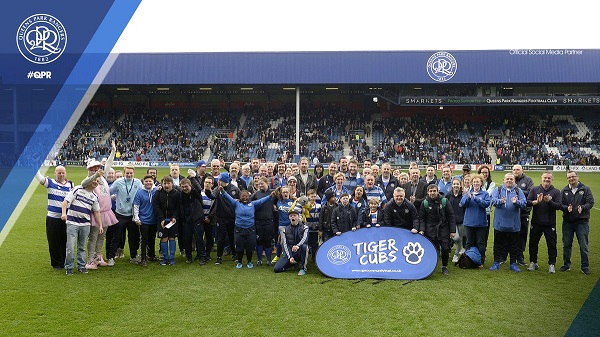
x=128 y=300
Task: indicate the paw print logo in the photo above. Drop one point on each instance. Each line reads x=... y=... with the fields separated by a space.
x=413 y=252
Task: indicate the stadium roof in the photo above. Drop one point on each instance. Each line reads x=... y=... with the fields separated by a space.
x=361 y=67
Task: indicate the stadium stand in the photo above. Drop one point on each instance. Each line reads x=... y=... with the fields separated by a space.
x=329 y=132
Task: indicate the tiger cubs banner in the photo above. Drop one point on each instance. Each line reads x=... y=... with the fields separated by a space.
x=378 y=253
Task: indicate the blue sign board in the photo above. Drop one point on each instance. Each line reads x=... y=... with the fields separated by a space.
x=378 y=253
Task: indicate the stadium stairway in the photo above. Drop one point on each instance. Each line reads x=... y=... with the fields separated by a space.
x=241 y=123
x=492 y=153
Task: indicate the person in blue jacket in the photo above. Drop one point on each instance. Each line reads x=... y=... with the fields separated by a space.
x=475 y=201
x=508 y=200
x=244 y=231
x=144 y=217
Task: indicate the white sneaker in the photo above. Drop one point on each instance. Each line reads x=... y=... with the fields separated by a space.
x=551 y=269
x=455 y=258
x=533 y=266
x=462 y=251
x=110 y=262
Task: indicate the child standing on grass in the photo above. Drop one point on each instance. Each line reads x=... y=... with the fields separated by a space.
x=375 y=216
x=77 y=208
x=454 y=198
x=343 y=218
x=166 y=207
x=312 y=221
x=286 y=200
x=325 y=214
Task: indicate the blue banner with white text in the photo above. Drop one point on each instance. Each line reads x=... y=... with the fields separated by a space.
x=378 y=253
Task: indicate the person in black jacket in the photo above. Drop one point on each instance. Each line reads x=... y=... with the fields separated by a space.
x=525 y=183
x=225 y=215
x=415 y=189
x=192 y=219
x=401 y=213
x=387 y=182
x=577 y=200
x=437 y=223
x=210 y=212
x=545 y=200
x=343 y=218
x=327 y=180
x=454 y=197
x=263 y=221
x=166 y=207
x=325 y=215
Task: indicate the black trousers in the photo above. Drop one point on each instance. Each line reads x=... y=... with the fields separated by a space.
x=148 y=234
x=443 y=247
x=535 y=235
x=56 y=233
x=194 y=232
x=505 y=242
x=133 y=236
x=224 y=233
x=477 y=237
x=523 y=237
x=245 y=239
x=209 y=237
x=114 y=235
x=313 y=243
x=264 y=233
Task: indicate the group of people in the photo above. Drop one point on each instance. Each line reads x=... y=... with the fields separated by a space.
x=287 y=211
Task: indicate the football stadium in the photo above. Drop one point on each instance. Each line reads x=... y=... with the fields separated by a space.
x=212 y=107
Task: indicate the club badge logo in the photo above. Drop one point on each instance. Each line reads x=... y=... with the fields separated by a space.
x=339 y=254
x=41 y=38
x=441 y=66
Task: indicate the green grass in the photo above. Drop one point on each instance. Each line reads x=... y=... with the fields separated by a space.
x=128 y=300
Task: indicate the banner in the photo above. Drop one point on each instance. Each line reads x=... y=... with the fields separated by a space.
x=379 y=253
x=577 y=168
x=493 y=101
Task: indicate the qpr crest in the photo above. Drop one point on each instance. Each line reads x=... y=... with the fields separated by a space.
x=41 y=38
x=441 y=66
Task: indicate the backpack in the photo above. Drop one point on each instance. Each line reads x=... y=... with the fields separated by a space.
x=426 y=203
x=471 y=259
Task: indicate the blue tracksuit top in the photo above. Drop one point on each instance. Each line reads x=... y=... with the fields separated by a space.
x=475 y=206
x=244 y=213
x=507 y=217
x=143 y=200
x=283 y=206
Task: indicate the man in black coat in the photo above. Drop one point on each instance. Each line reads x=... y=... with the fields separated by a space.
x=545 y=200
x=401 y=212
x=416 y=189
